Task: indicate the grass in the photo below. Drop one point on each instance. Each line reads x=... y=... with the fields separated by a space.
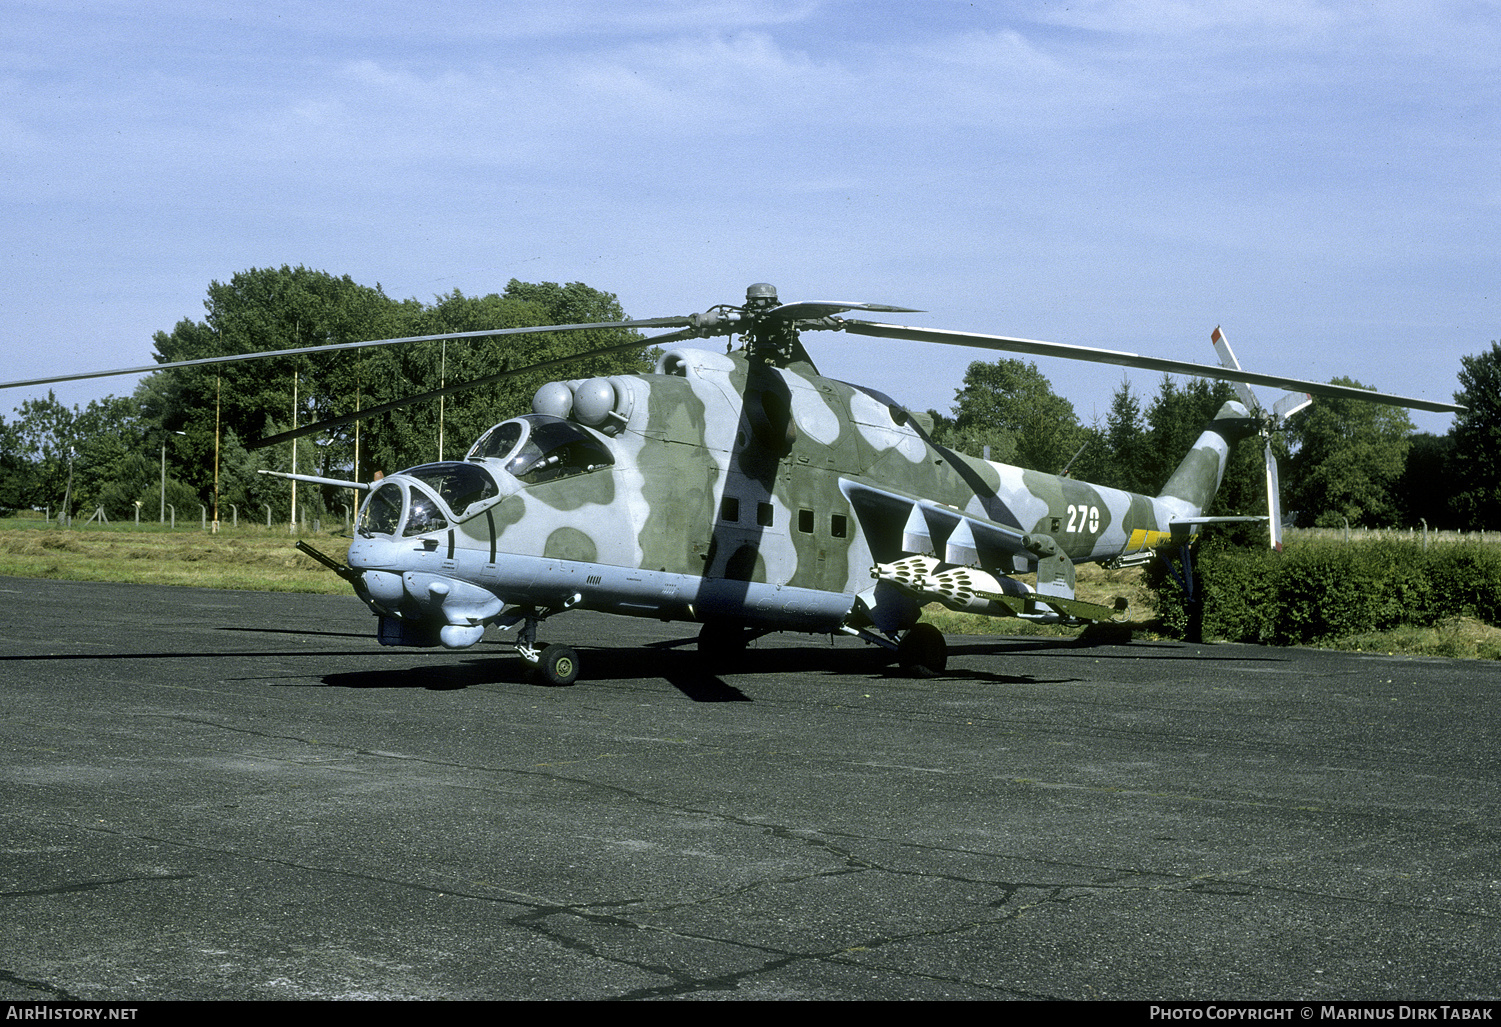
x=1093 y=584
x=256 y=558
x=251 y=558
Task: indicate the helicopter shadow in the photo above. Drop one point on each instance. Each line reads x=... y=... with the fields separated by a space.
x=681 y=670
x=678 y=662
x=684 y=670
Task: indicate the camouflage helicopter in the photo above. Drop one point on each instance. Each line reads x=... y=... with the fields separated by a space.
x=746 y=492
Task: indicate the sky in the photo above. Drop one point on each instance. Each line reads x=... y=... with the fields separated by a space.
x=1319 y=178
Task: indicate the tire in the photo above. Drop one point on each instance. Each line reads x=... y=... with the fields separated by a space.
x=923 y=652
x=559 y=665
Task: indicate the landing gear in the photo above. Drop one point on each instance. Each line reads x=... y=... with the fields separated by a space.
x=1180 y=565
x=558 y=665
x=554 y=665
x=923 y=652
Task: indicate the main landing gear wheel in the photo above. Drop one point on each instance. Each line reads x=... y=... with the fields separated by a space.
x=559 y=665
x=923 y=652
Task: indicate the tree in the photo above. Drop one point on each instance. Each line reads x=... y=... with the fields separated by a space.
x=14 y=470
x=266 y=309
x=1119 y=452
x=43 y=440
x=1425 y=490
x=1347 y=459
x=1477 y=441
x=79 y=455
x=1010 y=406
x=411 y=434
x=258 y=310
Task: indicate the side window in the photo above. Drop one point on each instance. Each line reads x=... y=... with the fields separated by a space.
x=460 y=485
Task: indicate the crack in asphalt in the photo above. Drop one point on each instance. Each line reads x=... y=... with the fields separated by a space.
x=58 y=994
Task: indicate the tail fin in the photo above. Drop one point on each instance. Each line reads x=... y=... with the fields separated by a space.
x=1198 y=477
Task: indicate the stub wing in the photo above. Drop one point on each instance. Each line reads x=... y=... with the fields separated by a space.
x=937 y=554
x=898 y=525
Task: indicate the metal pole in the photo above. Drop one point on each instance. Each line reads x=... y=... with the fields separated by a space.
x=217 y=381
x=68 y=495
x=292 y=523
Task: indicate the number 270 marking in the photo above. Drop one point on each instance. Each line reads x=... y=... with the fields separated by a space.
x=1080 y=517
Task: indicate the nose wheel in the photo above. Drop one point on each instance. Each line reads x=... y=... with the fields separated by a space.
x=558 y=665
x=554 y=664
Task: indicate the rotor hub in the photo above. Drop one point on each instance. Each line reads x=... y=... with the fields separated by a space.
x=761 y=296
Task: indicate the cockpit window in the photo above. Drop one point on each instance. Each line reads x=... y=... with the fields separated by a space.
x=382 y=510
x=555 y=448
x=459 y=485
x=499 y=440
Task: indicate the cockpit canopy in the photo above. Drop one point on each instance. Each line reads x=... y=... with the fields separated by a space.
x=456 y=486
x=540 y=447
x=535 y=448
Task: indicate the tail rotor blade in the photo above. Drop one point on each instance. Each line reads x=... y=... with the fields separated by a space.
x=1273 y=498
x=1290 y=404
x=1228 y=361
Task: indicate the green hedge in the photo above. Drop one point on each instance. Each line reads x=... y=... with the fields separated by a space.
x=1318 y=592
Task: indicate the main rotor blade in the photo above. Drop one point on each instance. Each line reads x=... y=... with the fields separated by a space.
x=811 y=310
x=238 y=358
x=1110 y=356
x=448 y=390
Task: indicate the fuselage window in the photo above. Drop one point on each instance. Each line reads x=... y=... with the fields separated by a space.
x=729 y=509
x=805 y=521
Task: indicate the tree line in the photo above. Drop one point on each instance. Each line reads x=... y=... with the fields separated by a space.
x=1341 y=461
x=191 y=426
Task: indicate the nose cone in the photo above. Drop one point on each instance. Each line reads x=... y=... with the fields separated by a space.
x=379 y=582
x=376 y=553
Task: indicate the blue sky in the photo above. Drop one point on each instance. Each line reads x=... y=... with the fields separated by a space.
x=1319 y=178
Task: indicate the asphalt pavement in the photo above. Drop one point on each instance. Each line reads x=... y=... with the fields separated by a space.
x=235 y=795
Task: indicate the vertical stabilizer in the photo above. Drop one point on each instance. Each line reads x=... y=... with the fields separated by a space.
x=1198 y=477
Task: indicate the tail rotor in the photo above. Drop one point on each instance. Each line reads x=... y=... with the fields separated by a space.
x=1268 y=422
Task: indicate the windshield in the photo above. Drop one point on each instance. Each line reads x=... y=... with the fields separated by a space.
x=459 y=485
x=423 y=515
x=382 y=511
x=555 y=448
x=499 y=440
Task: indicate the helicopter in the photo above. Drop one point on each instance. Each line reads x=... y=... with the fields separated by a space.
x=746 y=492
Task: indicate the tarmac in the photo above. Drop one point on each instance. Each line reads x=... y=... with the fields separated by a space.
x=235 y=795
